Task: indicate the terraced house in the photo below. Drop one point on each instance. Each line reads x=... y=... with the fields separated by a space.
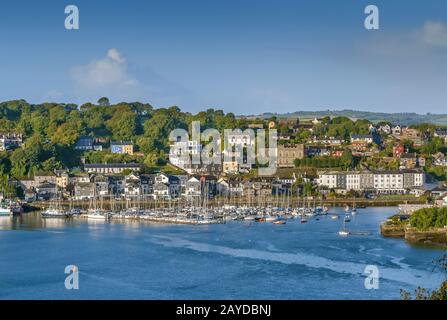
x=379 y=181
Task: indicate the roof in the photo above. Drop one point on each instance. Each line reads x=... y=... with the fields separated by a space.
x=361 y=136
x=121 y=143
x=47 y=185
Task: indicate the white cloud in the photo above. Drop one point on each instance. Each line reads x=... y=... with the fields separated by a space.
x=111 y=71
x=434 y=34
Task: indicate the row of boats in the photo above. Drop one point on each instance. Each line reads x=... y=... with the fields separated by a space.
x=194 y=215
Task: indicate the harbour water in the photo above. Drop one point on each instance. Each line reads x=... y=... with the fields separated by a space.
x=235 y=260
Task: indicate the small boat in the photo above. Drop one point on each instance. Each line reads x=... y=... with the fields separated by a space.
x=16 y=208
x=335 y=217
x=96 y=216
x=303 y=220
x=75 y=211
x=5 y=212
x=260 y=219
x=344 y=232
x=347 y=219
x=270 y=218
x=54 y=213
x=279 y=222
x=347 y=208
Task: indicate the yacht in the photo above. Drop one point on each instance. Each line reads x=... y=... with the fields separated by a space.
x=5 y=211
x=16 y=208
x=54 y=213
x=270 y=218
x=96 y=215
x=279 y=222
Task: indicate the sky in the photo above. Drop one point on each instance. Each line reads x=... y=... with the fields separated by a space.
x=241 y=56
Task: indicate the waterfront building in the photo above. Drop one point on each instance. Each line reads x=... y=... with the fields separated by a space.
x=43 y=177
x=62 y=179
x=239 y=147
x=121 y=147
x=288 y=153
x=388 y=182
x=193 y=188
x=379 y=181
x=102 y=184
x=111 y=168
x=147 y=184
x=235 y=188
x=328 y=179
x=84 y=190
x=353 y=181
x=166 y=186
x=209 y=185
x=181 y=154
x=46 y=191
x=79 y=178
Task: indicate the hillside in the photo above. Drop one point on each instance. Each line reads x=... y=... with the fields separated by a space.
x=397 y=118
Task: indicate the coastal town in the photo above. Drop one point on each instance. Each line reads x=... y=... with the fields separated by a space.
x=318 y=163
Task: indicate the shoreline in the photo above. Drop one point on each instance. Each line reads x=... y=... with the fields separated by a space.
x=432 y=237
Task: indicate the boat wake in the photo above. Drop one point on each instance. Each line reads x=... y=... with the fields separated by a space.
x=404 y=274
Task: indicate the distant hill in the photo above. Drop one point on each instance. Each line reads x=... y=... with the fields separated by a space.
x=395 y=118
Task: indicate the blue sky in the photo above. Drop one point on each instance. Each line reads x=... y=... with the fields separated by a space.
x=245 y=57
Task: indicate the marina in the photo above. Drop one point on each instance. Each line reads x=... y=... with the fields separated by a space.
x=133 y=258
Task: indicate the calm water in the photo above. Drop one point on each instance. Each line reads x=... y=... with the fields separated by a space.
x=236 y=260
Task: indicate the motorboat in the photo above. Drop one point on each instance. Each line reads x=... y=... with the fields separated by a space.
x=279 y=222
x=54 y=213
x=5 y=211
